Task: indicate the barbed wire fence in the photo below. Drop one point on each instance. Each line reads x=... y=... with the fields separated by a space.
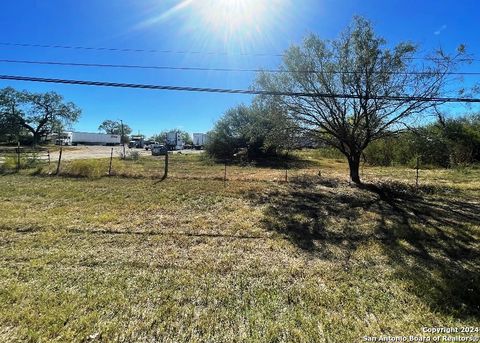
x=15 y=159
x=179 y=165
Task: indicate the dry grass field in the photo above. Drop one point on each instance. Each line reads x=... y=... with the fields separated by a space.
x=89 y=258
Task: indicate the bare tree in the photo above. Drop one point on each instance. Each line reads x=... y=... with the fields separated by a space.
x=365 y=90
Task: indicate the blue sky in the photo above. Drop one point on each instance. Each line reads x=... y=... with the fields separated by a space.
x=199 y=25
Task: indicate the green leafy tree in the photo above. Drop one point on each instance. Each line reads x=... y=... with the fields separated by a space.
x=37 y=113
x=279 y=131
x=114 y=127
x=10 y=127
x=260 y=129
x=377 y=77
x=160 y=137
x=462 y=136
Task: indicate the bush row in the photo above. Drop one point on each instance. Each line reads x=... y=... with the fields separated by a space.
x=452 y=143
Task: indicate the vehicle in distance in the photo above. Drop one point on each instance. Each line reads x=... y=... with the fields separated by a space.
x=158 y=149
x=199 y=140
x=87 y=138
x=148 y=144
x=174 y=141
x=136 y=142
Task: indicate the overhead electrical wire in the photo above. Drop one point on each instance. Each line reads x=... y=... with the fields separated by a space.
x=156 y=51
x=232 y=91
x=156 y=67
x=169 y=51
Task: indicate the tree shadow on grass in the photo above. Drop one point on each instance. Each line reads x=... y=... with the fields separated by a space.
x=285 y=162
x=430 y=236
x=272 y=162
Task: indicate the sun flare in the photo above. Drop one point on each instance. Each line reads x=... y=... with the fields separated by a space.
x=238 y=20
x=233 y=25
x=232 y=16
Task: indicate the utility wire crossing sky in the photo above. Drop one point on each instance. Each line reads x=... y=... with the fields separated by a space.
x=131 y=66
x=234 y=91
x=200 y=49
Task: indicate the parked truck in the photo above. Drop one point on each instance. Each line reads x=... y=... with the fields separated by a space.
x=87 y=138
x=136 y=142
x=199 y=140
x=174 y=141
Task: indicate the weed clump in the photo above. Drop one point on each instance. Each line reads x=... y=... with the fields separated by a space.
x=91 y=169
x=131 y=155
x=11 y=162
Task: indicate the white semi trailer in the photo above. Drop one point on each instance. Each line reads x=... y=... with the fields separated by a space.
x=88 y=138
x=199 y=140
x=174 y=141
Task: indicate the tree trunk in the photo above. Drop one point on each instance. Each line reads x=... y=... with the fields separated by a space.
x=36 y=136
x=354 y=165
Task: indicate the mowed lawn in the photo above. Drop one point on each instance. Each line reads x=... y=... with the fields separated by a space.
x=130 y=258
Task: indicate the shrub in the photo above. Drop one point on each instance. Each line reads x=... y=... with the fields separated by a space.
x=260 y=131
x=31 y=161
x=84 y=168
x=133 y=155
x=39 y=170
x=10 y=162
x=206 y=159
x=328 y=152
x=454 y=142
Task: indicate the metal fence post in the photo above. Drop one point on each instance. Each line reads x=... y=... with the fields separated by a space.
x=18 y=158
x=286 y=166
x=110 y=166
x=416 y=177
x=165 y=171
x=59 y=160
x=225 y=175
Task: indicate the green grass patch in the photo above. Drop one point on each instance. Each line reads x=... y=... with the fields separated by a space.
x=87 y=257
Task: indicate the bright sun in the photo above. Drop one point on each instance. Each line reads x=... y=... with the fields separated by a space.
x=236 y=23
x=232 y=15
x=240 y=20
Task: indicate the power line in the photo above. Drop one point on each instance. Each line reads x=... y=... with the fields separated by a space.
x=184 y=52
x=232 y=91
x=132 y=66
x=168 y=51
x=156 y=67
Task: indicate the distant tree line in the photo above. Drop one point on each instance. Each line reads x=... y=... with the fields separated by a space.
x=445 y=143
x=161 y=136
x=263 y=133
